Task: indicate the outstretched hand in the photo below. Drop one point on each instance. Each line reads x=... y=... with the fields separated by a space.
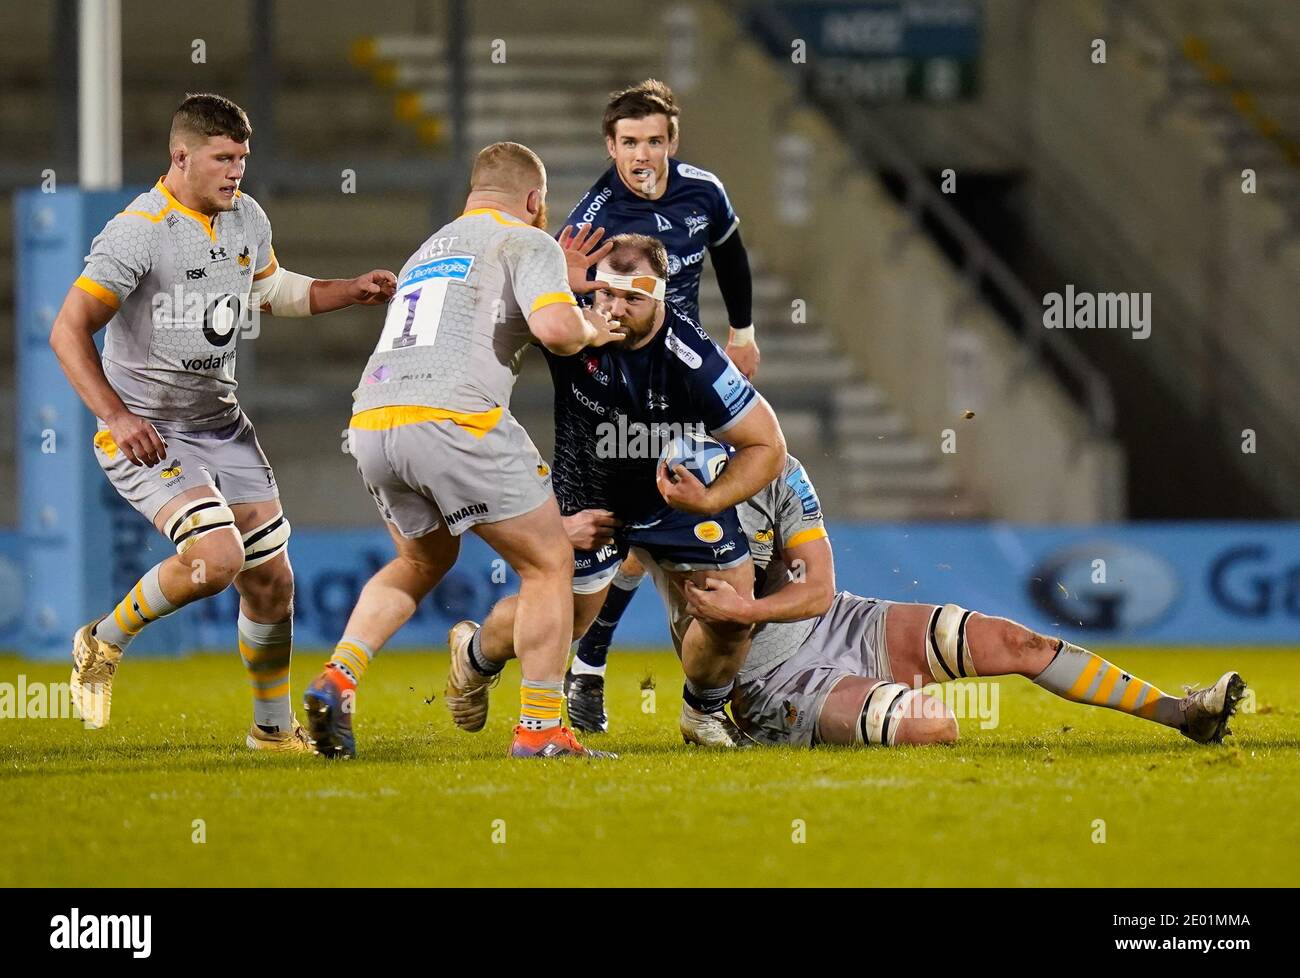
x=581 y=253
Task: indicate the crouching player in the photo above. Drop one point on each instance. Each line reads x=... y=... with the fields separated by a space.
x=836 y=668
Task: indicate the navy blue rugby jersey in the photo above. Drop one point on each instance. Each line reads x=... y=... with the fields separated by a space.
x=692 y=216
x=615 y=411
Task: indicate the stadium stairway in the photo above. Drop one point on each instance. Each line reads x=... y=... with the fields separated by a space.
x=865 y=462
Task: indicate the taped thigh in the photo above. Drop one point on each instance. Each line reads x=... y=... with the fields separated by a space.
x=197 y=518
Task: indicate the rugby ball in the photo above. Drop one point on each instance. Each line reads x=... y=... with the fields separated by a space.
x=704 y=457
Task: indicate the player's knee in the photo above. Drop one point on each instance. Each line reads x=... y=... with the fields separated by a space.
x=426 y=567
x=898 y=714
x=928 y=721
x=550 y=564
x=269 y=588
x=1022 y=648
x=214 y=561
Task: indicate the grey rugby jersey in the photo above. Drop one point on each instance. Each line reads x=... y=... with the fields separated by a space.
x=179 y=282
x=455 y=329
x=783 y=514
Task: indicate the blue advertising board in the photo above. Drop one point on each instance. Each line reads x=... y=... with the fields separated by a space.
x=1142 y=584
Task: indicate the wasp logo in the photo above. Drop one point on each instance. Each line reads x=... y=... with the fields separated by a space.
x=791 y=713
x=172 y=471
x=764 y=536
x=543 y=469
x=244 y=258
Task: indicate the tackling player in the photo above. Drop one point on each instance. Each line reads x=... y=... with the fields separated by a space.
x=441 y=453
x=613 y=407
x=647 y=190
x=836 y=668
x=173 y=277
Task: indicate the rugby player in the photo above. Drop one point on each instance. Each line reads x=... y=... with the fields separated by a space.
x=835 y=668
x=441 y=453
x=173 y=277
x=613 y=409
x=647 y=190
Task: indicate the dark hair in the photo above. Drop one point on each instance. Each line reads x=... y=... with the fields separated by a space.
x=629 y=249
x=651 y=97
x=207 y=115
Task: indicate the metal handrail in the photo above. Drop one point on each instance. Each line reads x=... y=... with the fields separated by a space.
x=979 y=261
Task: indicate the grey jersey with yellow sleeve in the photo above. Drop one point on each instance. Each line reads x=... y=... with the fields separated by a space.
x=179 y=282
x=457 y=325
x=783 y=514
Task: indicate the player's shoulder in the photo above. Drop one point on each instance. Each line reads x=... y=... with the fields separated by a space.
x=144 y=213
x=794 y=485
x=691 y=172
x=521 y=238
x=589 y=206
x=688 y=339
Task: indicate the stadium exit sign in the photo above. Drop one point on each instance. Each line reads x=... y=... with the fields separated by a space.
x=889 y=50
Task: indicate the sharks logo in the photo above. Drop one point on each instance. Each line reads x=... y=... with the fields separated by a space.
x=695 y=223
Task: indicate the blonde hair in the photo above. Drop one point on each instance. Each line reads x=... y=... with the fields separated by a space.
x=509 y=168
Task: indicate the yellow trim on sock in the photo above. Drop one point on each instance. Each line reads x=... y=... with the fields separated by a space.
x=1131 y=696
x=129 y=622
x=1107 y=685
x=1085 y=679
x=274 y=693
x=1148 y=705
x=145 y=611
x=355 y=661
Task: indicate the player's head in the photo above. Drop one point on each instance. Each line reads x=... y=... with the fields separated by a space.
x=641 y=134
x=513 y=175
x=637 y=272
x=209 y=147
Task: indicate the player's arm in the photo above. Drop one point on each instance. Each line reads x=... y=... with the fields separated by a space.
x=806 y=592
x=73 y=340
x=736 y=283
x=565 y=329
x=284 y=293
x=760 y=454
x=543 y=278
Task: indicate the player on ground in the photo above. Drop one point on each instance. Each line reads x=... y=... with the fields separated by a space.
x=836 y=668
x=615 y=408
x=441 y=453
x=647 y=190
x=174 y=277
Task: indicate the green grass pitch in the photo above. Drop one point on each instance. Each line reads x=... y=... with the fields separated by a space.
x=426 y=804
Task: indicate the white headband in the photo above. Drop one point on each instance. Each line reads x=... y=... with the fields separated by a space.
x=650 y=285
